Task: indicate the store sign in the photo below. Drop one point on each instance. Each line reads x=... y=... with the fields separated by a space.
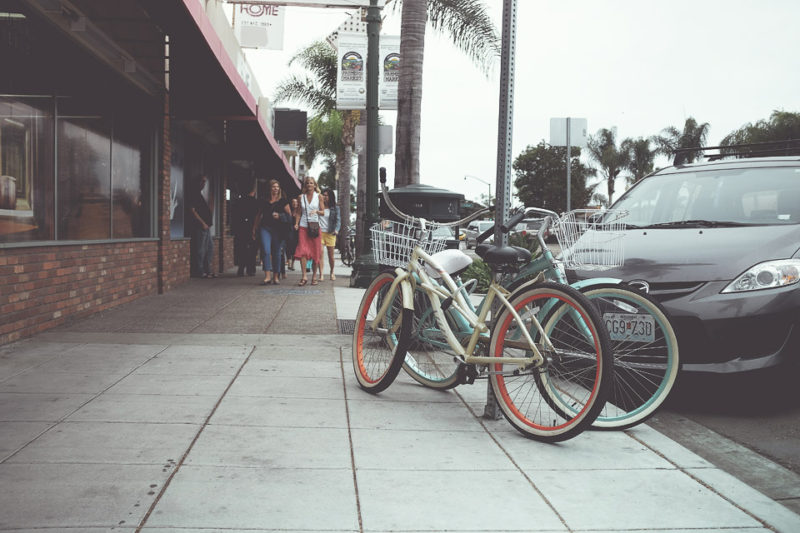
x=351 y=76
x=390 y=71
x=259 y=26
x=314 y=3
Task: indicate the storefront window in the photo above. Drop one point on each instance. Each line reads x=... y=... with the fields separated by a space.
x=26 y=169
x=84 y=178
x=130 y=179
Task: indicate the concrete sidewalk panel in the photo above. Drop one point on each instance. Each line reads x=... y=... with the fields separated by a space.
x=593 y=450
x=420 y=416
x=288 y=387
x=76 y=495
x=33 y=407
x=452 y=501
x=245 y=498
x=13 y=435
x=146 y=408
x=190 y=366
x=60 y=382
x=287 y=447
x=238 y=352
x=379 y=449
x=122 y=443
x=143 y=383
x=295 y=368
x=617 y=500
x=763 y=507
x=280 y=412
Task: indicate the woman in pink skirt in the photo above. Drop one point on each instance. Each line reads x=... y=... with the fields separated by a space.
x=311 y=206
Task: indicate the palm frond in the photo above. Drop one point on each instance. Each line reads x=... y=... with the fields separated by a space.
x=305 y=90
x=470 y=27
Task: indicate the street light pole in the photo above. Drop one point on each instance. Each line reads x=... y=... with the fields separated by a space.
x=482 y=181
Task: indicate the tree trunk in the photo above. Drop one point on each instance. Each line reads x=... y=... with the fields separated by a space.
x=409 y=98
x=345 y=166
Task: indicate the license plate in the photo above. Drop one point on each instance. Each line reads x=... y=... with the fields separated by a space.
x=628 y=327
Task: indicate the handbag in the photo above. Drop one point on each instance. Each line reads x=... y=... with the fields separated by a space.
x=313 y=227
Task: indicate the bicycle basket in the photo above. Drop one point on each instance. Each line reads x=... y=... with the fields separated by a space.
x=393 y=242
x=591 y=239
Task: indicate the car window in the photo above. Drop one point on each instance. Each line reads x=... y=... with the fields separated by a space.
x=769 y=195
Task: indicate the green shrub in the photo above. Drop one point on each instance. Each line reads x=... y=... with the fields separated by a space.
x=478 y=270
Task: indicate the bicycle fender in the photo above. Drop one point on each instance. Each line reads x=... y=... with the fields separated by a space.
x=538 y=279
x=591 y=282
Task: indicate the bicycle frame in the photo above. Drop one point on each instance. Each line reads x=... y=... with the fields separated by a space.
x=406 y=281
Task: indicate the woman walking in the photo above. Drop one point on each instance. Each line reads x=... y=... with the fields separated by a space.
x=291 y=237
x=311 y=206
x=271 y=222
x=329 y=225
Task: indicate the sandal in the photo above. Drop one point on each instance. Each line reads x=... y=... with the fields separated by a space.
x=314 y=282
x=333 y=277
x=302 y=282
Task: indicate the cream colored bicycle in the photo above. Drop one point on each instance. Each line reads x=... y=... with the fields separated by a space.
x=547 y=353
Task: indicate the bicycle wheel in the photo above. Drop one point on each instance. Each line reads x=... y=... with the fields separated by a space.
x=347 y=254
x=562 y=397
x=374 y=349
x=429 y=359
x=646 y=358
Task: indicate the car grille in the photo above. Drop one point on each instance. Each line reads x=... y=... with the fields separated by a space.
x=663 y=292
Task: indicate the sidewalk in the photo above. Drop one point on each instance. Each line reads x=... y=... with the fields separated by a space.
x=228 y=406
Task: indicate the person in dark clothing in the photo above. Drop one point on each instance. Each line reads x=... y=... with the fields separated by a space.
x=201 y=220
x=271 y=223
x=291 y=236
x=245 y=248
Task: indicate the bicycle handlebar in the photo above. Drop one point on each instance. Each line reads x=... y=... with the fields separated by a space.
x=519 y=217
x=411 y=219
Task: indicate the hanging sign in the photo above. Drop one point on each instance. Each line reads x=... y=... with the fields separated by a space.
x=390 y=71
x=259 y=26
x=351 y=79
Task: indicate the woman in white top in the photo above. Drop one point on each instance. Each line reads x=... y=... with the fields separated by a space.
x=311 y=207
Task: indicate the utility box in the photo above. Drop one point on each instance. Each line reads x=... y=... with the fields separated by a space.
x=425 y=201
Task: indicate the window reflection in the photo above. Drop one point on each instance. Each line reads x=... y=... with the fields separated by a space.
x=84 y=201
x=130 y=206
x=26 y=169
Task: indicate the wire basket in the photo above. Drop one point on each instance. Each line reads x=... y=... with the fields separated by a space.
x=591 y=239
x=393 y=242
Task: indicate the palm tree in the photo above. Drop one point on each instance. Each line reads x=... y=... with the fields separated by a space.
x=641 y=158
x=319 y=93
x=603 y=150
x=470 y=27
x=672 y=142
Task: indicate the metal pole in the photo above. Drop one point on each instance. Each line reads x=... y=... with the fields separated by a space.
x=569 y=170
x=504 y=136
x=364 y=268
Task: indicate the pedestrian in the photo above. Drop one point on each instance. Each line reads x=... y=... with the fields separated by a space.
x=311 y=206
x=329 y=225
x=243 y=216
x=201 y=218
x=271 y=221
x=291 y=236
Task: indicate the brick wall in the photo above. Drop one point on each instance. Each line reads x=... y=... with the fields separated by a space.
x=41 y=287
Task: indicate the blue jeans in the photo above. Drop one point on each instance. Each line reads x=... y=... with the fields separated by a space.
x=203 y=250
x=272 y=245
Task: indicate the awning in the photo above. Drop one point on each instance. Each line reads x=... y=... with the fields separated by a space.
x=205 y=84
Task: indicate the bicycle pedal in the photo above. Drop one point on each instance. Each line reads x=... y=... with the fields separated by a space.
x=466 y=374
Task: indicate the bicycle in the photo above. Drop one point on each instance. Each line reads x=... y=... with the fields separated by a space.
x=348 y=248
x=547 y=354
x=646 y=354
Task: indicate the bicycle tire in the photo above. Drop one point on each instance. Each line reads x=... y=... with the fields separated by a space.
x=645 y=370
x=375 y=352
x=347 y=255
x=428 y=358
x=560 y=399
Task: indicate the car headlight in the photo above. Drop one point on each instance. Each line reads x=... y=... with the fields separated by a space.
x=767 y=275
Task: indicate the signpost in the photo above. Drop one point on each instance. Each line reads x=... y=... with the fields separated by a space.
x=568 y=132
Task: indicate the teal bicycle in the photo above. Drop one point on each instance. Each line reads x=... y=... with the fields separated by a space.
x=646 y=355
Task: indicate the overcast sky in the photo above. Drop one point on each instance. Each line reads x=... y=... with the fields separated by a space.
x=637 y=65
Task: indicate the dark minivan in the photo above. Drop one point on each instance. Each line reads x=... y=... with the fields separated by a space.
x=718 y=244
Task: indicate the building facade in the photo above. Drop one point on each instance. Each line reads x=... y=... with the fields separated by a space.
x=110 y=110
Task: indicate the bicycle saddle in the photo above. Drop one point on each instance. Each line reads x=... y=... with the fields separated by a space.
x=503 y=256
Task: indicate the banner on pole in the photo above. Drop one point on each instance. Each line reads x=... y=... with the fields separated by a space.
x=351 y=78
x=390 y=71
x=259 y=26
